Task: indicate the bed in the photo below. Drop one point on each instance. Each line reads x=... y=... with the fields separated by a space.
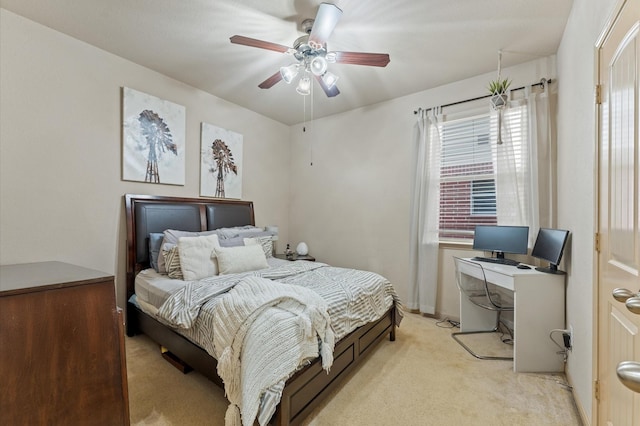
x=306 y=388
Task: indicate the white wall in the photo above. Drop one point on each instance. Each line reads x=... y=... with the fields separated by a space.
x=352 y=205
x=576 y=155
x=60 y=149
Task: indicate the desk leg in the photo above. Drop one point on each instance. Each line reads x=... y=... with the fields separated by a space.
x=539 y=308
x=475 y=318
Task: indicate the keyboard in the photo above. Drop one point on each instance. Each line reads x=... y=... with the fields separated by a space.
x=501 y=261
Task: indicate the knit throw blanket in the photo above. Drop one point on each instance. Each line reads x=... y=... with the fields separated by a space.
x=266 y=330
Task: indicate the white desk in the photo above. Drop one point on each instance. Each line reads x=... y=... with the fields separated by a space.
x=539 y=308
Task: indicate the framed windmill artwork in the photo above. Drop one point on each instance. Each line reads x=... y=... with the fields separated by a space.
x=220 y=162
x=153 y=139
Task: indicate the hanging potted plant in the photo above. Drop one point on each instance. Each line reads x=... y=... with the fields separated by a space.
x=498 y=91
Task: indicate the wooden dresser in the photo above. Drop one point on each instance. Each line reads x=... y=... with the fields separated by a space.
x=62 y=359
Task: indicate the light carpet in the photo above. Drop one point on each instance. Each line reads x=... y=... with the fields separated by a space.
x=423 y=378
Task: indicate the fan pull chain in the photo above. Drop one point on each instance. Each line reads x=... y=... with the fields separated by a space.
x=313 y=129
x=304 y=114
x=304 y=122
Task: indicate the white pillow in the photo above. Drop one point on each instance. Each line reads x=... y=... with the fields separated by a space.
x=197 y=256
x=171 y=236
x=233 y=260
x=265 y=242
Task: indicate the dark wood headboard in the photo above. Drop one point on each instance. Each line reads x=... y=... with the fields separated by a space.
x=153 y=213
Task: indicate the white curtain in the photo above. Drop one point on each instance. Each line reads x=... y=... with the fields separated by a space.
x=511 y=165
x=524 y=167
x=543 y=145
x=425 y=210
x=524 y=164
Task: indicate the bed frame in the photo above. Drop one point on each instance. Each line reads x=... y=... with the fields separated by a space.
x=307 y=388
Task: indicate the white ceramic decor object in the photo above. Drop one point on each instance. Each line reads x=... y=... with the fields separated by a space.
x=302 y=249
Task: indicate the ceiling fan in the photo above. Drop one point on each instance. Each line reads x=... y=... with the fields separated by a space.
x=312 y=57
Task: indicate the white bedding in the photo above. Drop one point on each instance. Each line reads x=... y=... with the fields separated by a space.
x=152 y=288
x=269 y=330
x=354 y=298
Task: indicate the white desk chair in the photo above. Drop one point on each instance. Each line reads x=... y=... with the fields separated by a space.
x=473 y=284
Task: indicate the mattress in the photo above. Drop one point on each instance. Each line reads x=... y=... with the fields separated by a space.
x=153 y=288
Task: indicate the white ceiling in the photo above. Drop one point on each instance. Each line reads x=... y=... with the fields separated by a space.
x=430 y=42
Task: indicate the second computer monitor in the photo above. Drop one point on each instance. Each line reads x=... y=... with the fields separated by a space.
x=501 y=239
x=549 y=246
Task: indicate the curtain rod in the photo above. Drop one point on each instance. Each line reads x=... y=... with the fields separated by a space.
x=542 y=83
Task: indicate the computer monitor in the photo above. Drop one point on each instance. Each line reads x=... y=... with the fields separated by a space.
x=501 y=239
x=549 y=246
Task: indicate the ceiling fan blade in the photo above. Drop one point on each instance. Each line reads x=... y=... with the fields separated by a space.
x=253 y=42
x=331 y=92
x=326 y=20
x=361 y=58
x=271 y=81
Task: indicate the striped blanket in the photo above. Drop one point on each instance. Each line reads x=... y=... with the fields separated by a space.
x=353 y=297
x=286 y=321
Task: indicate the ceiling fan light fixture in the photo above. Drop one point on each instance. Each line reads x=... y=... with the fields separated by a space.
x=329 y=79
x=289 y=72
x=318 y=65
x=313 y=58
x=304 y=86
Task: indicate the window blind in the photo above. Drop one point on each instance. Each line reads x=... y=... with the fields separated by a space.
x=474 y=167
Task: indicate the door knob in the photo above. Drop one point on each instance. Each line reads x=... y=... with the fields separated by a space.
x=629 y=374
x=622 y=294
x=633 y=304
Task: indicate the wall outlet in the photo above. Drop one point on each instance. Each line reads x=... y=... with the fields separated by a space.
x=567 y=337
x=571 y=335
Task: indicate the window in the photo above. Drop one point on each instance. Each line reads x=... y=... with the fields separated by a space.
x=467 y=186
x=469 y=177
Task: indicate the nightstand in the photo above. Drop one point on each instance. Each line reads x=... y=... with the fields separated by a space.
x=295 y=257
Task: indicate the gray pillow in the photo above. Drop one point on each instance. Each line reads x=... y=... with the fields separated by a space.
x=231 y=242
x=155 y=242
x=241 y=231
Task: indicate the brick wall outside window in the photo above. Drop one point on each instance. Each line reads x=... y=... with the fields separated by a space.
x=455 y=200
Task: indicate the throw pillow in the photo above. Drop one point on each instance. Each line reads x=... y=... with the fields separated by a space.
x=265 y=242
x=197 y=257
x=233 y=260
x=172 y=262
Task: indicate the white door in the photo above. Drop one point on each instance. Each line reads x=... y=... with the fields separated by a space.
x=618 y=328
